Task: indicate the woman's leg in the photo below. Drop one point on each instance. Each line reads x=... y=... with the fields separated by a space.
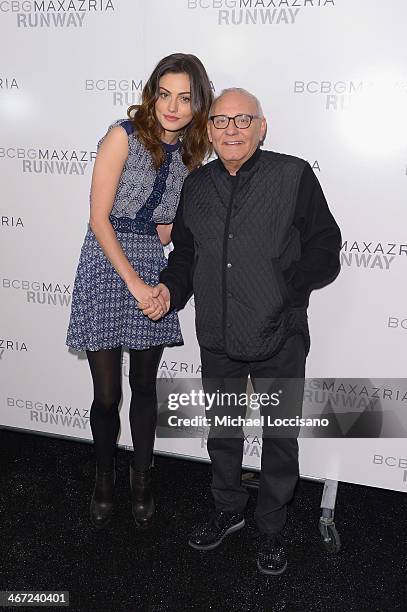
x=143 y=418
x=143 y=406
x=105 y=366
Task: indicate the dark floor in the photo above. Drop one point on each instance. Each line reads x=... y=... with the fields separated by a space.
x=47 y=542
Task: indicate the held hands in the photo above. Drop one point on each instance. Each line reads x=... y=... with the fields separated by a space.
x=141 y=292
x=154 y=302
x=158 y=304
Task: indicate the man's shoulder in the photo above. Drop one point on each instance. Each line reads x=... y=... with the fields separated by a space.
x=199 y=174
x=273 y=158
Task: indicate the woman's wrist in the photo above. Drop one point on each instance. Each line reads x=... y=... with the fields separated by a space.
x=134 y=281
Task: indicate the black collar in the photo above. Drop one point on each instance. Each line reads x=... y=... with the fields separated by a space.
x=246 y=166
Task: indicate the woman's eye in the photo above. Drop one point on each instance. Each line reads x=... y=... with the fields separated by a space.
x=163 y=94
x=186 y=99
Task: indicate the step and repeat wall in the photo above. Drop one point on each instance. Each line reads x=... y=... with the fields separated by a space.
x=332 y=80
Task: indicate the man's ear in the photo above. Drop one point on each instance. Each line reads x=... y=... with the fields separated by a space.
x=208 y=129
x=263 y=129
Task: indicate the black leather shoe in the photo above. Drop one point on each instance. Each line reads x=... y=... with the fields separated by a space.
x=142 y=502
x=219 y=525
x=272 y=555
x=101 y=505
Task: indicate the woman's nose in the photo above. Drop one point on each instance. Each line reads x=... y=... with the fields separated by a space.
x=172 y=104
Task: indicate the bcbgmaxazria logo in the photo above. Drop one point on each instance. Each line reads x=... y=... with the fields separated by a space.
x=11 y=222
x=341 y=95
x=398 y=464
x=371 y=254
x=58 y=14
x=51 y=413
x=352 y=393
x=252 y=445
x=14 y=346
x=8 y=84
x=336 y=95
x=168 y=369
x=39 y=292
x=397 y=322
x=49 y=160
x=258 y=12
x=123 y=92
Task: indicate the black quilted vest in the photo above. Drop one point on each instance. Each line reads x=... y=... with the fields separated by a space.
x=244 y=239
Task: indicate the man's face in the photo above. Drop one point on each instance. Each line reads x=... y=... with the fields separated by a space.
x=232 y=144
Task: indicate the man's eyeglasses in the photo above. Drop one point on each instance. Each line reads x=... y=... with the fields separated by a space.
x=241 y=121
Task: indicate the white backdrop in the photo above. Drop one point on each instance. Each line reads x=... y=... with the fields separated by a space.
x=332 y=79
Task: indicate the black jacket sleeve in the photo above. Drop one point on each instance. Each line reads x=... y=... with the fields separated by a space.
x=320 y=237
x=178 y=274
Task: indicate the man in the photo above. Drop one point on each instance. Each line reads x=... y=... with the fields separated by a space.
x=253 y=235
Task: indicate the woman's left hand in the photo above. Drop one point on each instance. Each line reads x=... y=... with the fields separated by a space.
x=164 y=233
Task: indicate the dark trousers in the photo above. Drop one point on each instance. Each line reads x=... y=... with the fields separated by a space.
x=279 y=461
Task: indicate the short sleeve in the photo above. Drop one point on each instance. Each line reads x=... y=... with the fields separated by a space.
x=126 y=124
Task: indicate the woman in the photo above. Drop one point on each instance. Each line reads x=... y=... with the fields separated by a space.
x=138 y=174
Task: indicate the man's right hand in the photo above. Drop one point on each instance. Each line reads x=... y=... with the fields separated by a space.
x=160 y=305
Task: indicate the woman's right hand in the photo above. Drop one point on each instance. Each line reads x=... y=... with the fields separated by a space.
x=141 y=292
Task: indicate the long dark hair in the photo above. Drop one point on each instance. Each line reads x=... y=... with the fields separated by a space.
x=195 y=143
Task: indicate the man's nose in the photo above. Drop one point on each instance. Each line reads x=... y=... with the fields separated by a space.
x=231 y=129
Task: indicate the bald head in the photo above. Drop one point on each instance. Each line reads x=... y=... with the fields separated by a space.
x=240 y=91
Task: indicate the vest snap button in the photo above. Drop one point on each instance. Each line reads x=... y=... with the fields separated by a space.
x=229 y=265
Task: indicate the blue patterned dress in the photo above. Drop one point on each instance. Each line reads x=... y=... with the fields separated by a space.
x=104 y=314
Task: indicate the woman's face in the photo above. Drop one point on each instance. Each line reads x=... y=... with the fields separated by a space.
x=173 y=106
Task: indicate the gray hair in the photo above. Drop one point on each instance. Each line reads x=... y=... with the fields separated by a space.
x=241 y=91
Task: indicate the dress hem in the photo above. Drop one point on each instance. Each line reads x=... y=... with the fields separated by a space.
x=123 y=345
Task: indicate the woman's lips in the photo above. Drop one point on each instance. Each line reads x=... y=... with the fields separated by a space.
x=170 y=118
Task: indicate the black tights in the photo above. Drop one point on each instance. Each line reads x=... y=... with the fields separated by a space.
x=105 y=366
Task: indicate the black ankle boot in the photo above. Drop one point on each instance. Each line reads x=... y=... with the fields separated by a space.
x=142 y=503
x=101 y=505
